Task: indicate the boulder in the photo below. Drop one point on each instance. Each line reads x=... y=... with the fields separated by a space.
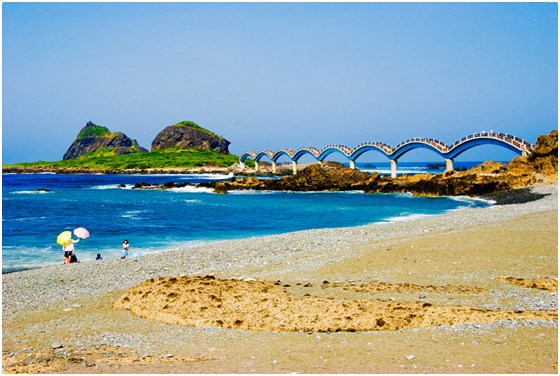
x=93 y=137
x=489 y=167
x=543 y=160
x=189 y=135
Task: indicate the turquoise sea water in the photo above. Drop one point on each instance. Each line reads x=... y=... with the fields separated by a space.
x=156 y=220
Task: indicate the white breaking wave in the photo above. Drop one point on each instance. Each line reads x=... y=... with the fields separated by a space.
x=192 y=189
x=110 y=186
x=270 y=192
x=29 y=192
x=470 y=200
x=208 y=176
x=410 y=217
x=133 y=214
x=387 y=171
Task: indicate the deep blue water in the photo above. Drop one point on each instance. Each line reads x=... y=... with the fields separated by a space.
x=155 y=220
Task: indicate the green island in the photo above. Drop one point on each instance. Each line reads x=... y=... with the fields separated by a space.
x=98 y=150
x=107 y=160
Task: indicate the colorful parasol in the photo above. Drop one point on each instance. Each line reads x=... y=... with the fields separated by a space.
x=81 y=233
x=64 y=237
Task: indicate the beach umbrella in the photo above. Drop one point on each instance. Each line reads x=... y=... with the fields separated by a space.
x=81 y=233
x=64 y=237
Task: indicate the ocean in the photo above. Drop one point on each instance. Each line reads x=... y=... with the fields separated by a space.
x=158 y=220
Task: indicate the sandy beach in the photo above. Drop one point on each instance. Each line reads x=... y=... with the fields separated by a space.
x=469 y=291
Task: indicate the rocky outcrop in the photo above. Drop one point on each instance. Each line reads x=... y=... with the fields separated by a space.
x=189 y=135
x=315 y=178
x=543 y=160
x=94 y=137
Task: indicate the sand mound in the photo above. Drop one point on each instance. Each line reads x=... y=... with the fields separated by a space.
x=549 y=284
x=266 y=306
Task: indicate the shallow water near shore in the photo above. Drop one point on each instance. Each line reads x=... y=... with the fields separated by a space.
x=158 y=220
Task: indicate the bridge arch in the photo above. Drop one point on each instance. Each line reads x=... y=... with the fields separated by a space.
x=247 y=155
x=314 y=152
x=279 y=153
x=264 y=153
x=342 y=149
x=509 y=142
x=365 y=147
x=419 y=143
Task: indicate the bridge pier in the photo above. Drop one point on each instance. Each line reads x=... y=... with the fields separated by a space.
x=393 y=168
x=352 y=164
x=294 y=167
x=256 y=166
x=273 y=167
x=449 y=164
x=241 y=165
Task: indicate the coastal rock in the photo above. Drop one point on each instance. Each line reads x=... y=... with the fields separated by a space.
x=543 y=160
x=188 y=134
x=316 y=178
x=312 y=178
x=93 y=137
x=489 y=167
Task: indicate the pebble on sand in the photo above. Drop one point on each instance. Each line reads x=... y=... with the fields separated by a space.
x=57 y=345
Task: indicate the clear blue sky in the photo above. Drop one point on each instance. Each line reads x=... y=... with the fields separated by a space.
x=269 y=76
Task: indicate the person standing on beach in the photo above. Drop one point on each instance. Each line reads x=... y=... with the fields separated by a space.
x=125 y=247
x=68 y=249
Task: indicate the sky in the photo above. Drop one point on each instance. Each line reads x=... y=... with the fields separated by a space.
x=278 y=75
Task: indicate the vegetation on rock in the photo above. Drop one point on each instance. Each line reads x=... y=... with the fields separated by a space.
x=108 y=161
x=192 y=124
x=189 y=135
x=93 y=131
x=96 y=149
x=92 y=138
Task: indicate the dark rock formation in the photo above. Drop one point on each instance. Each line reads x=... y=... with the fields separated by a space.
x=168 y=185
x=312 y=178
x=187 y=134
x=516 y=196
x=94 y=137
x=315 y=178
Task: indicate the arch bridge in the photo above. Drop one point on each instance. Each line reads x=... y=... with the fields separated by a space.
x=449 y=153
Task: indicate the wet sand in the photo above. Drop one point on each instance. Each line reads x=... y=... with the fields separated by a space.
x=458 y=295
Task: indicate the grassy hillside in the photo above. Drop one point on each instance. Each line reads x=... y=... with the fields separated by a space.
x=95 y=130
x=192 y=124
x=168 y=158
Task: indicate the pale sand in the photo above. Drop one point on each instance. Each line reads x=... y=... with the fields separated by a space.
x=484 y=271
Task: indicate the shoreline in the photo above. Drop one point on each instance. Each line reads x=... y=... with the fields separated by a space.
x=38 y=303
x=516 y=196
x=550 y=195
